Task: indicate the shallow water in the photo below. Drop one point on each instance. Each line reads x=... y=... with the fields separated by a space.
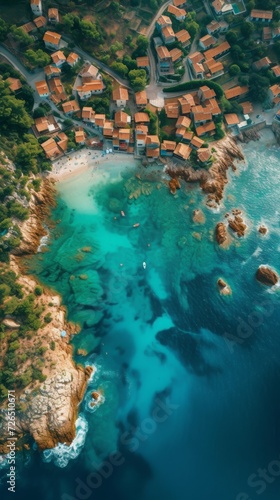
x=190 y=378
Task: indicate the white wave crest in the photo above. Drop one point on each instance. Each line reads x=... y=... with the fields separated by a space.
x=62 y=454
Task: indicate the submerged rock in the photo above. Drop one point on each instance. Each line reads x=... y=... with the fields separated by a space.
x=174 y=184
x=267 y=276
x=237 y=224
x=198 y=216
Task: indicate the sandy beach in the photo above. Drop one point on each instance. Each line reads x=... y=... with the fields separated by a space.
x=79 y=161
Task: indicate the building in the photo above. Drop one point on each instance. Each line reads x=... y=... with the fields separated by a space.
x=165 y=63
x=213 y=28
x=172 y=109
x=231 y=120
x=141 y=118
x=141 y=99
x=45 y=125
x=52 y=40
x=100 y=121
x=51 y=71
x=267 y=34
x=236 y=92
x=176 y=55
x=58 y=58
x=184 y=38
x=206 y=93
x=120 y=96
x=218 y=51
x=51 y=149
x=264 y=16
x=40 y=22
x=88 y=115
x=57 y=90
x=213 y=68
x=42 y=88
x=168 y=35
x=247 y=107
x=221 y=7
x=15 y=84
x=196 y=143
x=204 y=156
x=70 y=107
x=179 y=3
x=93 y=87
x=274 y=94
x=263 y=63
x=53 y=16
x=72 y=59
x=80 y=136
x=122 y=119
x=29 y=28
x=162 y=22
x=206 y=42
x=276 y=70
x=167 y=148
x=195 y=62
x=183 y=122
x=89 y=71
x=143 y=62
x=152 y=146
x=179 y=14
x=141 y=132
x=182 y=151
x=36 y=7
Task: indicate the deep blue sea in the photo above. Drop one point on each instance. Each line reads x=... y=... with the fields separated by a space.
x=190 y=378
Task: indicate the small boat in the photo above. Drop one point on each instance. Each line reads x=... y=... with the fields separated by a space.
x=136 y=225
x=122 y=213
x=144 y=265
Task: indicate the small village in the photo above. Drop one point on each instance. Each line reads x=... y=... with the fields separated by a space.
x=161 y=119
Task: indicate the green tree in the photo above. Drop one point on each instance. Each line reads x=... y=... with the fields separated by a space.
x=21 y=36
x=247 y=29
x=27 y=153
x=4 y=30
x=138 y=79
x=120 y=68
x=234 y=70
x=37 y=58
x=258 y=87
x=231 y=37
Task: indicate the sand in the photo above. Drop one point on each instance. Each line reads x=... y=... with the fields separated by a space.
x=79 y=161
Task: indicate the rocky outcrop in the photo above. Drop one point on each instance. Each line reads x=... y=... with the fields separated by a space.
x=262 y=229
x=224 y=288
x=174 y=184
x=237 y=223
x=212 y=181
x=267 y=276
x=48 y=410
x=221 y=233
x=198 y=216
x=39 y=207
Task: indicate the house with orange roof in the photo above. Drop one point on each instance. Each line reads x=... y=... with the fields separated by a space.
x=29 y=28
x=206 y=42
x=152 y=146
x=206 y=93
x=72 y=59
x=217 y=6
x=176 y=55
x=45 y=124
x=108 y=129
x=80 y=136
x=187 y=137
x=141 y=99
x=51 y=149
x=179 y=3
x=204 y=156
x=182 y=151
x=213 y=28
x=167 y=148
x=185 y=106
x=212 y=106
x=52 y=40
x=218 y=51
x=247 y=107
x=262 y=63
x=261 y=16
x=88 y=115
x=122 y=119
x=53 y=15
x=89 y=71
x=213 y=68
x=51 y=71
x=57 y=89
x=141 y=132
x=183 y=122
x=276 y=70
x=141 y=117
x=120 y=96
x=63 y=141
x=236 y=92
x=15 y=84
x=266 y=34
x=183 y=37
x=231 y=120
x=36 y=7
x=274 y=93
x=165 y=63
x=124 y=138
x=40 y=22
x=201 y=117
x=162 y=22
x=195 y=62
x=143 y=62
x=42 y=88
x=179 y=14
x=196 y=143
x=100 y=121
x=172 y=109
x=168 y=35
x=70 y=107
x=93 y=87
x=58 y=58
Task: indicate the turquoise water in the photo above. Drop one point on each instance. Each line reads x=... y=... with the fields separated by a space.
x=190 y=378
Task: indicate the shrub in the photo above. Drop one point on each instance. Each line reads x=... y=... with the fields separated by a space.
x=38 y=290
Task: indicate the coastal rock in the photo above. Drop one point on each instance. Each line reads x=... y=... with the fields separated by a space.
x=224 y=288
x=237 y=224
x=174 y=184
x=10 y=323
x=95 y=395
x=267 y=276
x=198 y=216
x=221 y=233
x=82 y=352
x=262 y=229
